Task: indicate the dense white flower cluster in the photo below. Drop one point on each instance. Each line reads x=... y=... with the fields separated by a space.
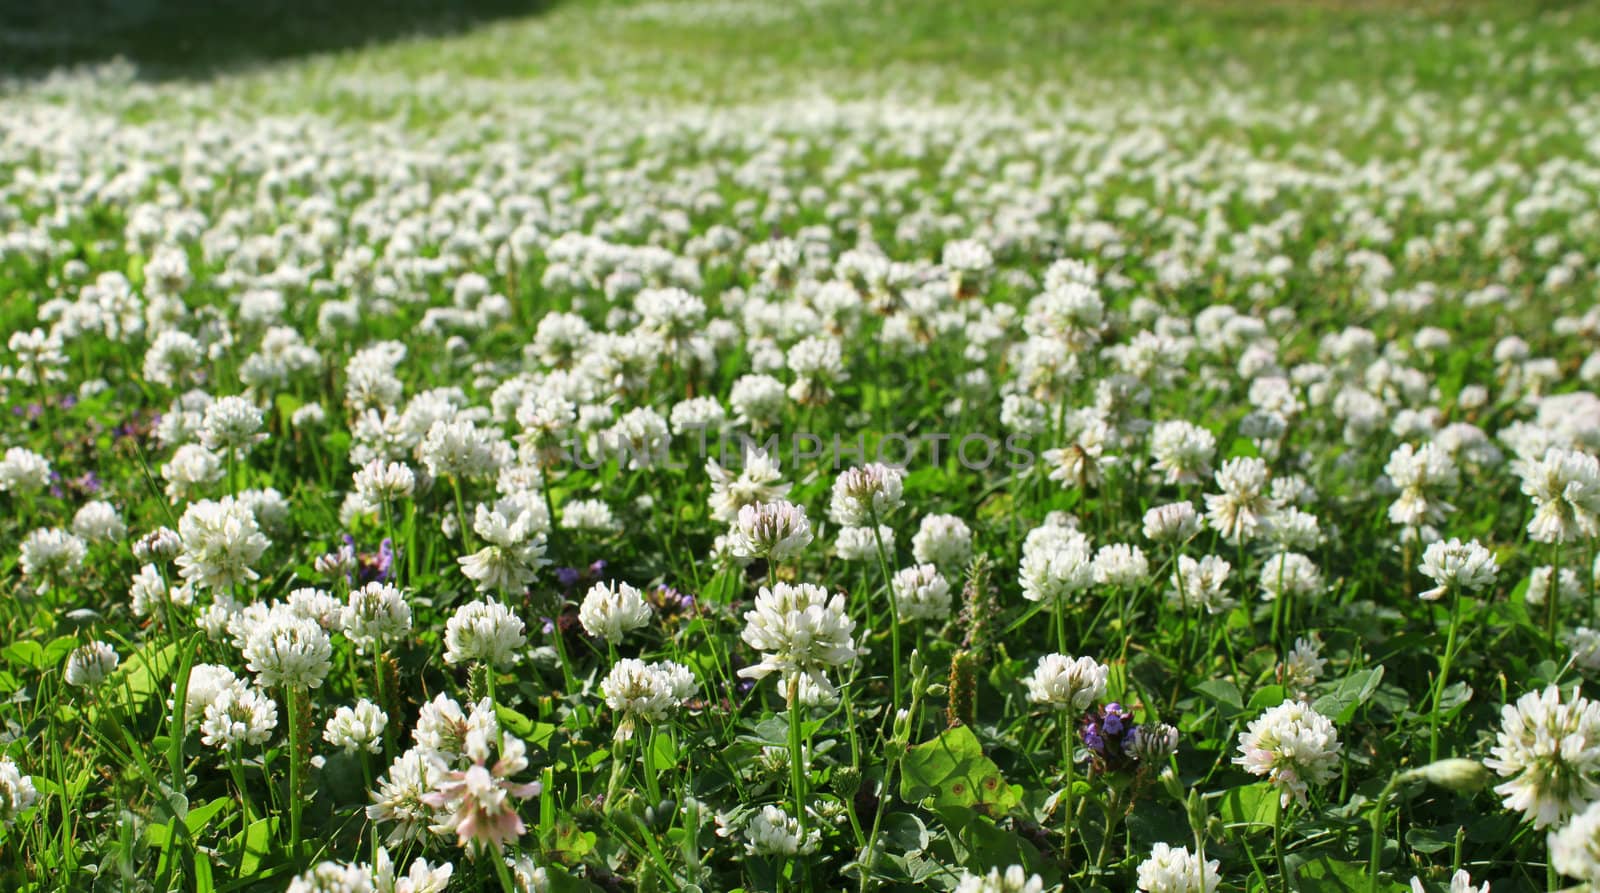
x=1175 y=870
x=1548 y=750
x=612 y=610
x=800 y=631
x=1060 y=682
x=1292 y=746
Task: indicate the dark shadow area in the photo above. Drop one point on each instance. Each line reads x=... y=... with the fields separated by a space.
x=189 y=38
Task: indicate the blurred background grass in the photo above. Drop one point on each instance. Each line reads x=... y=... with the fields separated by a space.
x=1428 y=43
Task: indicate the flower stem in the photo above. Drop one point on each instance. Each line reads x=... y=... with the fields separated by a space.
x=1277 y=848
x=1444 y=675
x=296 y=747
x=1378 y=809
x=797 y=775
x=507 y=884
x=894 y=611
x=1066 y=721
x=1551 y=596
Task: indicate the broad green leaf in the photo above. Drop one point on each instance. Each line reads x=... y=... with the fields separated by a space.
x=1254 y=806
x=1326 y=875
x=1265 y=698
x=951 y=770
x=534 y=734
x=25 y=652
x=257 y=844
x=1223 y=692
x=1347 y=696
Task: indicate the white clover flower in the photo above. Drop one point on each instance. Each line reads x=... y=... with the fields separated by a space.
x=866 y=492
x=357 y=728
x=1171 y=523
x=379 y=482
x=441 y=728
x=147 y=591
x=89 y=665
x=39 y=356
x=161 y=544
x=1015 y=879
x=513 y=554
x=1170 y=870
x=1060 y=682
x=1575 y=847
x=800 y=630
x=1120 y=564
x=1201 y=584
x=220 y=543
x=858 y=543
x=921 y=593
x=1549 y=753
x=315 y=604
x=239 y=714
x=231 y=424
x=610 y=610
x=1057 y=563
x=478 y=804
x=1183 y=451
x=334 y=877
x=777 y=531
x=1082 y=462
x=942 y=540
x=206 y=682
x=1565 y=488
x=485 y=632
x=458 y=449
x=99 y=522
x=1585 y=644
x=1303 y=664
x=1423 y=477
x=1293 y=746
x=287 y=649
x=758 y=401
x=51 y=557
x=1292 y=528
x=1458 y=566
x=23 y=472
x=760 y=480
x=588 y=514
x=375 y=615
x=17 y=793
x=1460 y=882
x=1290 y=573
x=818 y=364
x=639 y=439
x=1568 y=587
x=1241 y=511
x=648 y=692
x=398 y=797
x=773 y=832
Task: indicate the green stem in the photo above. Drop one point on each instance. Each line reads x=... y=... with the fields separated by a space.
x=507 y=884
x=797 y=777
x=1066 y=721
x=1378 y=809
x=292 y=697
x=1277 y=849
x=894 y=612
x=619 y=750
x=1551 y=596
x=1444 y=676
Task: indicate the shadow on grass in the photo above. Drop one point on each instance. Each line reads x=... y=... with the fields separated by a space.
x=193 y=38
